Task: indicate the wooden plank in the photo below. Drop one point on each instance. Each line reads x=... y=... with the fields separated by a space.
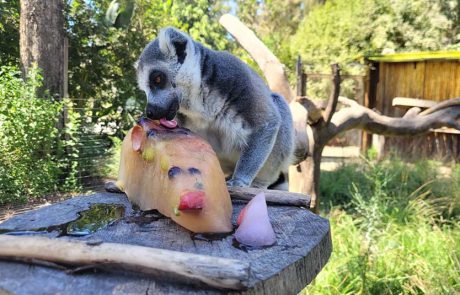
x=446 y=130
x=407 y=102
x=370 y=100
x=380 y=93
x=341 y=152
x=302 y=249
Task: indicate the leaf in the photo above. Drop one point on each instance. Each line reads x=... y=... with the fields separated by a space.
x=125 y=14
x=112 y=13
x=119 y=13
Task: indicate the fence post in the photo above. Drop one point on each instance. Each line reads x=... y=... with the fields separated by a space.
x=301 y=78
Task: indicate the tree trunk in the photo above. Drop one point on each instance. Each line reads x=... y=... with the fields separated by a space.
x=304 y=177
x=42 y=42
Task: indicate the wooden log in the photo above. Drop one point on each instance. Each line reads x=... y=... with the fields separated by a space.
x=217 y=272
x=272 y=196
x=270 y=65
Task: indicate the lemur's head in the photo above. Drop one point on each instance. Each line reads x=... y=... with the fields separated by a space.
x=159 y=72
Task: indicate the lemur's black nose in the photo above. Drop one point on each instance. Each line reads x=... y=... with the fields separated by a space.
x=173 y=108
x=156 y=112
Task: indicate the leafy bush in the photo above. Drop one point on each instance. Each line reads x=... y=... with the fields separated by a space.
x=396 y=231
x=29 y=139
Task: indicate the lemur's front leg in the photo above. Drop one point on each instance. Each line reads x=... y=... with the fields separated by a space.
x=255 y=153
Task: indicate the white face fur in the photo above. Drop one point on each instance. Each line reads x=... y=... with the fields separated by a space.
x=186 y=76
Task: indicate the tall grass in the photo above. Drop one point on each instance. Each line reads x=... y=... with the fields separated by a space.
x=395 y=229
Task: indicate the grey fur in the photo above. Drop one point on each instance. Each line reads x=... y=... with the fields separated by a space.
x=223 y=100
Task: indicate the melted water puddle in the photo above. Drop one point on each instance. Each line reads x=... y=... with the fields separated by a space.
x=89 y=221
x=95 y=218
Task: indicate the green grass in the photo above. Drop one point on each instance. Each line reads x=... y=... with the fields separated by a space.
x=395 y=230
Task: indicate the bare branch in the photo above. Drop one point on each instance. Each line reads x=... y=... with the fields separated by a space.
x=300 y=117
x=349 y=102
x=186 y=267
x=314 y=112
x=360 y=117
x=442 y=105
x=333 y=99
x=412 y=112
x=270 y=65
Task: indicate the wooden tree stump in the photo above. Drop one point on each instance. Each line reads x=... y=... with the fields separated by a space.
x=303 y=247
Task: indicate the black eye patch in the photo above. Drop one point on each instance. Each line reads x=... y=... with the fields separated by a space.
x=157 y=79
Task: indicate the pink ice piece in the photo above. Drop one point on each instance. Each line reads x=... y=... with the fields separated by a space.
x=255 y=229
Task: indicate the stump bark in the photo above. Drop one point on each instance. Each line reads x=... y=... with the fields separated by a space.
x=303 y=247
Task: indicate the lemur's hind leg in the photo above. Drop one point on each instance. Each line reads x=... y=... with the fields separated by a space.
x=278 y=162
x=281 y=155
x=268 y=174
x=255 y=154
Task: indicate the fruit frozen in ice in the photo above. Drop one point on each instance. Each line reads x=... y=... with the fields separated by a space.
x=176 y=172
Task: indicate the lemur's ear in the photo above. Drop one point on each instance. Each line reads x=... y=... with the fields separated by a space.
x=173 y=42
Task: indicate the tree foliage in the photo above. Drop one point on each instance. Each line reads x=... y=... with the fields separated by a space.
x=9 y=32
x=345 y=30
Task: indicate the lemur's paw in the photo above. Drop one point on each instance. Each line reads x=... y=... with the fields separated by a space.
x=237 y=182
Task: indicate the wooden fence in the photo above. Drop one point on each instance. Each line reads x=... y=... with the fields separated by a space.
x=356 y=90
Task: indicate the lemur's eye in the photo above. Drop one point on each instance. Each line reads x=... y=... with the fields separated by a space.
x=156 y=79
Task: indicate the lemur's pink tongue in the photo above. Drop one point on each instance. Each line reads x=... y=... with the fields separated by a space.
x=168 y=123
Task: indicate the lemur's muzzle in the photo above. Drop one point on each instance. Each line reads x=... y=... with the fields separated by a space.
x=156 y=112
x=162 y=107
